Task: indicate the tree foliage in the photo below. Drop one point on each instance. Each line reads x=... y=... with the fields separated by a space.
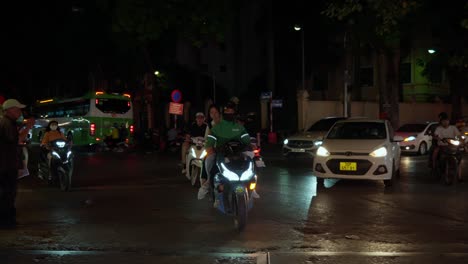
x=149 y=20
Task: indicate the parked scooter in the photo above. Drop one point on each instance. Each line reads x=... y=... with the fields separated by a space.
x=449 y=159
x=194 y=160
x=235 y=182
x=61 y=165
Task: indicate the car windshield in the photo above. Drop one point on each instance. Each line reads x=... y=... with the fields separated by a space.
x=323 y=124
x=358 y=130
x=412 y=128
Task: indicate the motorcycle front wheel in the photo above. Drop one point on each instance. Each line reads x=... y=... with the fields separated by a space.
x=195 y=173
x=450 y=170
x=240 y=210
x=65 y=180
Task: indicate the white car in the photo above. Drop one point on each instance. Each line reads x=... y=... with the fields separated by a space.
x=308 y=141
x=417 y=137
x=359 y=149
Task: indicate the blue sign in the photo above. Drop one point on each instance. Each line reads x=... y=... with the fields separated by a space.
x=176 y=96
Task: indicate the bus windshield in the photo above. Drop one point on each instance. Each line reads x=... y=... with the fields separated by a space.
x=113 y=105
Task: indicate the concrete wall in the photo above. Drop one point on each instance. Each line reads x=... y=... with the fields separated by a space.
x=311 y=111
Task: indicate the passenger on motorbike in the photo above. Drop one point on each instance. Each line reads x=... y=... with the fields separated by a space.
x=197 y=129
x=226 y=130
x=52 y=133
x=442 y=132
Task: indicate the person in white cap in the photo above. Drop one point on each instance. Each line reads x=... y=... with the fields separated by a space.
x=9 y=158
x=197 y=129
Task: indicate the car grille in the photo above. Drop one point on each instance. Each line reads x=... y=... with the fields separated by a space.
x=300 y=144
x=363 y=166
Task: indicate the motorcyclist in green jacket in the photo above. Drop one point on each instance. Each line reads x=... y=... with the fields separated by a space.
x=226 y=130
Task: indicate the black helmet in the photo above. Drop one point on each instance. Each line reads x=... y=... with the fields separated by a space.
x=443 y=116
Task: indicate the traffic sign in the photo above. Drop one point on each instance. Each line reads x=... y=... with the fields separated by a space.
x=176 y=96
x=176 y=108
x=266 y=95
x=277 y=103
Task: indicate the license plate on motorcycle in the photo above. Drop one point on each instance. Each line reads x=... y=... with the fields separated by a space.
x=240 y=189
x=348 y=166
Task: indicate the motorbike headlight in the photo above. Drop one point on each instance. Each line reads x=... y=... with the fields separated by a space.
x=249 y=173
x=285 y=142
x=69 y=154
x=322 y=152
x=55 y=154
x=380 y=152
x=454 y=142
x=203 y=155
x=229 y=174
x=60 y=144
x=192 y=151
x=411 y=138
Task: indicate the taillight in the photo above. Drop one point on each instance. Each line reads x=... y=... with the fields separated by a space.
x=92 y=129
x=128 y=104
x=132 y=129
x=256 y=152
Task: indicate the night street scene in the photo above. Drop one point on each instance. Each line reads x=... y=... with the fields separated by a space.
x=234 y=131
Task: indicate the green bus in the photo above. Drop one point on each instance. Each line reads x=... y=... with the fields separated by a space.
x=85 y=120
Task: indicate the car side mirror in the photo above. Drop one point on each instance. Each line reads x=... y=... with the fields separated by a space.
x=398 y=138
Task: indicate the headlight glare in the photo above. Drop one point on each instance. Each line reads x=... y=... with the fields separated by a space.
x=203 y=154
x=380 y=152
x=56 y=154
x=410 y=138
x=322 y=152
x=285 y=142
x=229 y=174
x=246 y=175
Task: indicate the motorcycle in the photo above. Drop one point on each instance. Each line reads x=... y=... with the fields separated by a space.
x=449 y=158
x=194 y=160
x=235 y=182
x=61 y=165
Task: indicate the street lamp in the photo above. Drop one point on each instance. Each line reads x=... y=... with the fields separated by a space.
x=157 y=73
x=299 y=28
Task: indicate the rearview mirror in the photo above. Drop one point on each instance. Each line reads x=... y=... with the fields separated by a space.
x=398 y=138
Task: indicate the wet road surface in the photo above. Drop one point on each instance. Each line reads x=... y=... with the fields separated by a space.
x=138 y=208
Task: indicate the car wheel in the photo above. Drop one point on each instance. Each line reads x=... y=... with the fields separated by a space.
x=423 y=148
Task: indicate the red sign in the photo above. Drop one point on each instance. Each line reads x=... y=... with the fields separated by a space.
x=176 y=96
x=176 y=108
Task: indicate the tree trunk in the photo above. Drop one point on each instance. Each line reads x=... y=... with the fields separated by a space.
x=457 y=80
x=394 y=85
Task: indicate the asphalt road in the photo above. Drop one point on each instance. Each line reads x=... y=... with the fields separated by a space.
x=138 y=208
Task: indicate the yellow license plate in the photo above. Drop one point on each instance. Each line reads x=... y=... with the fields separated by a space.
x=348 y=166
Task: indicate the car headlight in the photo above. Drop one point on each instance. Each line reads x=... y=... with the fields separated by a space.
x=285 y=142
x=229 y=174
x=380 y=152
x=318 y=143
x=249 y=173
x=322 y=152
x=454 y=142
x=203 y=154
x=411 y=138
